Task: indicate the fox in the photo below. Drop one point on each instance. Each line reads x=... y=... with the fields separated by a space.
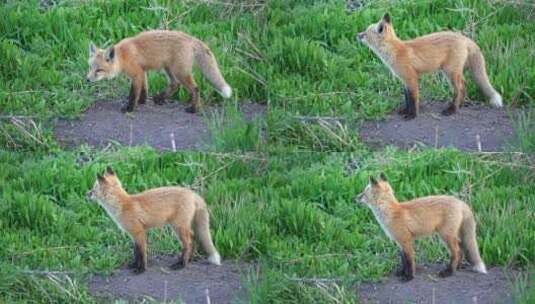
x=447 y=51
x=174 y=52
x=404 y=222
x=183 y=209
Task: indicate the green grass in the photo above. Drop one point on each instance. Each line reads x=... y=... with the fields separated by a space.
x=524 y=125
x=289 y=211
x=305 y=225
x=232 y=132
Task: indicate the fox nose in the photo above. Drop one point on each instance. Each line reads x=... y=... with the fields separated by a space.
x=360 y=36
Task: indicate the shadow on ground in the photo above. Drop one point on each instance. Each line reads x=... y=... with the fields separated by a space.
x=492 y=126
x=149 y=124
x=463 y=287
x=193 y=284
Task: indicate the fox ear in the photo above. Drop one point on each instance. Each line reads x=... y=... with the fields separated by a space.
x=373 y=181
x=109 y=170
x=383 y=177
x=110 y=54
x=386 y=18
x=381 y=28
x=101 y=178
x=92 y=49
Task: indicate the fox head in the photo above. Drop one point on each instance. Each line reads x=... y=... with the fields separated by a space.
x=378 y=34
x=102 y=63
x=376 y=191
x=105 y=188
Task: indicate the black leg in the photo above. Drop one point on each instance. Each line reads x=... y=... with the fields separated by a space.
x=195 y=102
x=143 y=96
x=449 y=110
x=403 y=110
x=131 y=95
x=159 y=99
x=448 y=271
x=408 y=274
x=139 y=261
x=410 y=104
x=181 y=263
x=403 y=264
x=407 y=99
x=135 y=261
x=129 y=107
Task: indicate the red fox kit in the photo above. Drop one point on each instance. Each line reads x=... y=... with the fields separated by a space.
x=171 y=51
x=446 y=51
x=179 y=207
x=405 y=222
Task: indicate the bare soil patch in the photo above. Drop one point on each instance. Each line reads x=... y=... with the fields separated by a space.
x=150 y=124
x=461 y=130
x=426 y=287
x=188 y=285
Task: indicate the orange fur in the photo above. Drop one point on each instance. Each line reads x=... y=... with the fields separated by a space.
x=179 y=207
x=404 y=222
x=446 y=51
x=173 y=52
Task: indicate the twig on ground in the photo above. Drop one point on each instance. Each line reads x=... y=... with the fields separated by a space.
x=207 y=293
x=173 y=143
x=321 y=256
x=24 y=126
x=47 y=272
x=315 y=280
x=318 y=95
x=9 y=117
x=317 y=118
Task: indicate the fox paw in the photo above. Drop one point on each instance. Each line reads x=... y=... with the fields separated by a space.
x=139 y=270
x=403 y=111
x=445 y=273
x=449 y=111
x=127 y=108
x=178 y=265
x=462 y=266
x=158 y=99
x=409 y=116
x=406 y=277
x=400 y=272
x=191 y=109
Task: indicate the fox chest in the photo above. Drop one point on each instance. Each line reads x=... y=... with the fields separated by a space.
x=115 y=217
x=383 y=223
x=388 y=60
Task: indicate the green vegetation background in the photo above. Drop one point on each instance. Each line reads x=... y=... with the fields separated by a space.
x=292 y=213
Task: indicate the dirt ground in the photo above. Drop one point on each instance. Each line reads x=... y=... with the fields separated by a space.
x=463 y=287
x=193 y=284
x=149 y=124
x=430 y=128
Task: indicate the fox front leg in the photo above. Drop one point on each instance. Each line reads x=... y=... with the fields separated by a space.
x=404 y=110
x=404 y=265
x=137 y=88
x=142 y=98
x=411 y=101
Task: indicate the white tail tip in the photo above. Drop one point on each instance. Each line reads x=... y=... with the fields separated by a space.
x=215 y=259
x=226 y=92
x=480 y=268
x=496 y=100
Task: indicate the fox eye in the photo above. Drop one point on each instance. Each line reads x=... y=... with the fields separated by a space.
x=99 y=71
